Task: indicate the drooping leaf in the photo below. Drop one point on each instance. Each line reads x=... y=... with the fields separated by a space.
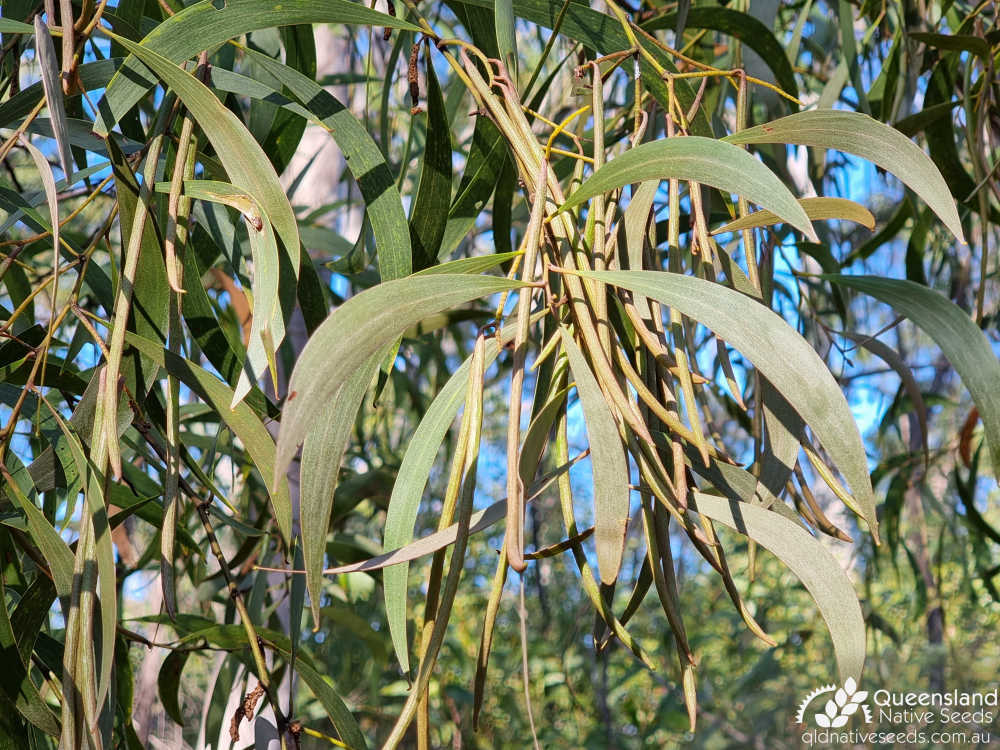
x=16 y=687
x=611 y=478
x=333 y=704
x=150 y=297
x=817 y=209
x=781 y=355
x=355 y=331
x=51 y=196
x=408 y=489
x=486 y=160
x=55 y=551
x=819 y=571
x=536 y=436
x=702 y=160
x=103 y=557
x=222 y=347
x=848 y=48
x=858 y=134
x=965 y=346
x=168 y=684
x=270 y=306
x=52 y=84
x=322 y=453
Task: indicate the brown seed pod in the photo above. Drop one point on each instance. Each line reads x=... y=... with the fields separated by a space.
x=387 y=32
x=412 y=77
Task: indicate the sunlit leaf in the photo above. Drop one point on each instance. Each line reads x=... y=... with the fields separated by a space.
x=611 y=492
x=208 y=23
x=702 y=160
x=862 y=136
x=51 y=76
x=817 y=209
x=355 y=331
x=240 y=154
x=364 y=159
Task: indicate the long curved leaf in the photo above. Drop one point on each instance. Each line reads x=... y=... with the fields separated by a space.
x=356 y=330
x=49 y=64
x=703 y=160
x=819 y=571
x=55 y=551
x=17 y=689
x=965 y=346
x=97 y=515
x=168 y=683
x=817 y=209
x=411 y=480
x=781 y=355
x=322 y=454
x=205 y=24
x=333 y=704
x=859 y=134
x=407 y=491
x=483 y=166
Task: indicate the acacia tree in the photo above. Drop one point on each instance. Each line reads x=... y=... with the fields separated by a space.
x=616 y=242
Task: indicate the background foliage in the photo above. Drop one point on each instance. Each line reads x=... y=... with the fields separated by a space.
x=191 y=194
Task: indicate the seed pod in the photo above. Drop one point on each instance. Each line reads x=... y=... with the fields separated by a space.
x=413 y=78
x=387 y=32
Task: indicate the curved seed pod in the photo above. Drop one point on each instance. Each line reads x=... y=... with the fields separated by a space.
x=515 y=489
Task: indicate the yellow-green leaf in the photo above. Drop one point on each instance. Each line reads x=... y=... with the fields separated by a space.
x=817 y=209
